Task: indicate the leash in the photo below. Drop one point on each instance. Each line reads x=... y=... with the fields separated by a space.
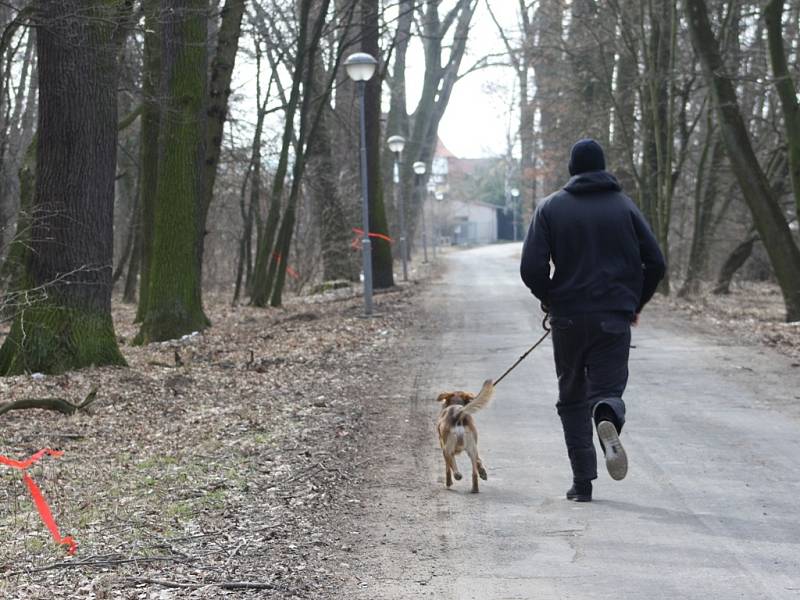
x=531 y=349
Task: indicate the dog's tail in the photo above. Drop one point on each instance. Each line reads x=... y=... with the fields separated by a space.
x=481 y=401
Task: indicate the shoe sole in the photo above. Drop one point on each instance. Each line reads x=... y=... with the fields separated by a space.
x=579 y=498
x=616 y=459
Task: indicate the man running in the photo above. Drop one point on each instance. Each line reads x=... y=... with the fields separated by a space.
x=607 y=267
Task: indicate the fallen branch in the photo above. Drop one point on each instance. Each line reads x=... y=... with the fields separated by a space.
x=63 y=406
x=225 y=585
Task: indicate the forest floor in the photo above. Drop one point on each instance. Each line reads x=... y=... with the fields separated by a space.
x=232 y=463
x=212 y=466
x=753 y=312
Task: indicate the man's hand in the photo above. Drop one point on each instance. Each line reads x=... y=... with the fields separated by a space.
x=635 y=320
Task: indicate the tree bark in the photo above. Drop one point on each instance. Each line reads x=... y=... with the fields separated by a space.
x=768 y=216
x=382 y=266
x=70 y=325
x=787 y=93
x=174 y=304
x=148 y=148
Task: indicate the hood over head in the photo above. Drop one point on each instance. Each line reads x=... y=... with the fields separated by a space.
x=593 y=181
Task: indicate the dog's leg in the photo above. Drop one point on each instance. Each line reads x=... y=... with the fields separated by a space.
x=471 y=447
x=450 y=456
x=448 y=479
x=481 y=469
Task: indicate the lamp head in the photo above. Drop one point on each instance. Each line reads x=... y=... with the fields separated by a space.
x=514 y=192
x=360 y=66
x=396 y=143
x=419 y=167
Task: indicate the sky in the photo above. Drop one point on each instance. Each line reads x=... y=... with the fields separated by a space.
x=476 y=123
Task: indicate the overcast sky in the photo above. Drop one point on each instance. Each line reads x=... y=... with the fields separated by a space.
x=476 y=123
x=477 y=118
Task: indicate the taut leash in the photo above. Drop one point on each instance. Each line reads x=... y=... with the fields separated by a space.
x=531 y=349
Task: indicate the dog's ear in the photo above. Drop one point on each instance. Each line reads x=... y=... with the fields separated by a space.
x=444 y=397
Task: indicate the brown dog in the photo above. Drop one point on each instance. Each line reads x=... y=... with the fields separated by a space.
x=457 y=431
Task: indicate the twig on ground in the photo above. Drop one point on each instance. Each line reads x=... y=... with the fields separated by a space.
x=225 y=585
x=59 y=404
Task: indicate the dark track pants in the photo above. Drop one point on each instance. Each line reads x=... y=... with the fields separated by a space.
x=591 y=355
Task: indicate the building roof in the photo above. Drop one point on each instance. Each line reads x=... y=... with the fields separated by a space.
x=441 y=150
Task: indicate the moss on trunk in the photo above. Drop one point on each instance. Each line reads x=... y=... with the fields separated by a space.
x=174 y=304
x=51 y=338
x=62 y=298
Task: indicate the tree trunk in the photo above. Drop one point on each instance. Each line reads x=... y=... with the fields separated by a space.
x=325 y=199
x=69 y=325
x=784 y=83
x=733 y=263
x=219 y=91
x=705 y=197
x=174 y=304
x=148 y=148
x=768 y=216
x=549 y=20
x=382 y=273
x=265 y=253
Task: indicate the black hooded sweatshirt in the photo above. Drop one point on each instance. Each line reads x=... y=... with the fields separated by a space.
x=605 y=255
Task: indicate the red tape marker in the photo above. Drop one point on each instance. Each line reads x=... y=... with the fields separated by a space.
x=38 y=499
x=289 y=270
x=380 y=236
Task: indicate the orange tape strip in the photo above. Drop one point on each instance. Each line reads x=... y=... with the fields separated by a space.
x=38 y=499
x=380 y=236
x=47 y=515
x=24 y=464
x=278 y=258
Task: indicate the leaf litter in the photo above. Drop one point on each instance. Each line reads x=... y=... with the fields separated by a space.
x=217 y=465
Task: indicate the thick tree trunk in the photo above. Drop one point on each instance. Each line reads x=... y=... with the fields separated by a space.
x=174 y=305
x=382 y=266
x=784 y=83
x=768 y=216
x=148 y=148
x=69 y=325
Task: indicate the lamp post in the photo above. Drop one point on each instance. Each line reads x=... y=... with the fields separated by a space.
x=396 y=144
x=360 y=68
x=439 y=196
x=419 y=169
x=514 y=195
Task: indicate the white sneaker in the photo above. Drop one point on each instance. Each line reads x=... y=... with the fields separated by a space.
x=616 y=459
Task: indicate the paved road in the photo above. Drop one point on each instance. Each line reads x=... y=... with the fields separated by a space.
x=710 y=507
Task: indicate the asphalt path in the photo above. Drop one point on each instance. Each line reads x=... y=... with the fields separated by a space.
x=710 y=507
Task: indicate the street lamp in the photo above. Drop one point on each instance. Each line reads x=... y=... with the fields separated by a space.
x=396 y=145
x=419 y=169
x=514 y=195
x=360 y=68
